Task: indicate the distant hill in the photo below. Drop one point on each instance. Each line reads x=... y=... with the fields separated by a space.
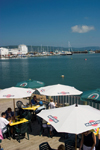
x=52 y=48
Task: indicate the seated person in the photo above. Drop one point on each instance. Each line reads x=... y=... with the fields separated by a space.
x=34 y=100
x=9 y=114
x=50 y=127
x=52 y=104
x=40 y=108
x=4 y=122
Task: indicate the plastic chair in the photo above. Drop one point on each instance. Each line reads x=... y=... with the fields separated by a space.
x=19 y=104
x=69 y=145
x=6 y=134
x=21 y=113
x=37 y=111
x=44 y=126
x=45 y=146
x=28 y=116
x=21 y=130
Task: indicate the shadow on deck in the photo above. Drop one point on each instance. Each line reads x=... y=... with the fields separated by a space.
x=34 y=140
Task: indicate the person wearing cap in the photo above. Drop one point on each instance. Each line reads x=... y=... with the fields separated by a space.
x=40 y=108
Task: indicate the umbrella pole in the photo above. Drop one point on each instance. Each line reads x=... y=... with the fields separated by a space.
x=58 y=101
x=14 y=106
x=75 y=141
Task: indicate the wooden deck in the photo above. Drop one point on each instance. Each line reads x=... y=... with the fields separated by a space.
x=33 y=142
x=34 y=138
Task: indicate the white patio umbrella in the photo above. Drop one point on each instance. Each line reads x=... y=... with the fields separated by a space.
x=59 y=90
x=15 y=92
x=72 y=119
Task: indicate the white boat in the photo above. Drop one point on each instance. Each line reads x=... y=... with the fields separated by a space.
x=63 y=53
x=66 y=53
x=91 y=52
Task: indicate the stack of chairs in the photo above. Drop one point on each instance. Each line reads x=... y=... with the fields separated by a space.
x=45 y=146
x=69 y=145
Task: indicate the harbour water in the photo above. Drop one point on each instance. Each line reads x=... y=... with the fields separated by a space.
x=80 y=70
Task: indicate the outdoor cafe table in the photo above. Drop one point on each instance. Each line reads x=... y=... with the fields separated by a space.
x=34 y=107
x=22 y=120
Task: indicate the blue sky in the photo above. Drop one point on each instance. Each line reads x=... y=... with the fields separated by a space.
x=50 y=22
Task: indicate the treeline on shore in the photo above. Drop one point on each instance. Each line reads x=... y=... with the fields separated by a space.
x=35 y=49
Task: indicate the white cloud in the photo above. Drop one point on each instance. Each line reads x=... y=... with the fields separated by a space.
x=82 y=29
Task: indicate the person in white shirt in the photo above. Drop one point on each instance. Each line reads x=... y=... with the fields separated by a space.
x=4 y=122
x=52 y=104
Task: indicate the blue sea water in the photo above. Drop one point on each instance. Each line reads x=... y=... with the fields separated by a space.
x=78 y=72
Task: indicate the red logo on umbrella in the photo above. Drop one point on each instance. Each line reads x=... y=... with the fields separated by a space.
x=63 y=93
x=94 y=96
x=92 y=123
x=53 y=117
x=28 y=91
x=43 y=90
x=23 y=84
x=8 y=96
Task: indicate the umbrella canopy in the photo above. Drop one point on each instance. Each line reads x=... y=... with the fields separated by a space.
x=72 y=119
x=15 y=92
x=30 y=84
x=59 y=90
x=93 y=95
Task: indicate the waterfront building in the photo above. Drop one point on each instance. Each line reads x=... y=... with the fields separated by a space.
x=23 y=49
x=3 y=52
x=13 y=51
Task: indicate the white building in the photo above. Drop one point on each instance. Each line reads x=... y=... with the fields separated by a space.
x=23 y=49
x=3 y=51
x=13 y=51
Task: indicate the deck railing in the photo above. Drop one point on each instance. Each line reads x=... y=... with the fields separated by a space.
x=70 y=100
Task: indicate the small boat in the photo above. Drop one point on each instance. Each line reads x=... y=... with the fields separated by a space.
x=63 y=53
x=66 y=53
x=91 y=52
